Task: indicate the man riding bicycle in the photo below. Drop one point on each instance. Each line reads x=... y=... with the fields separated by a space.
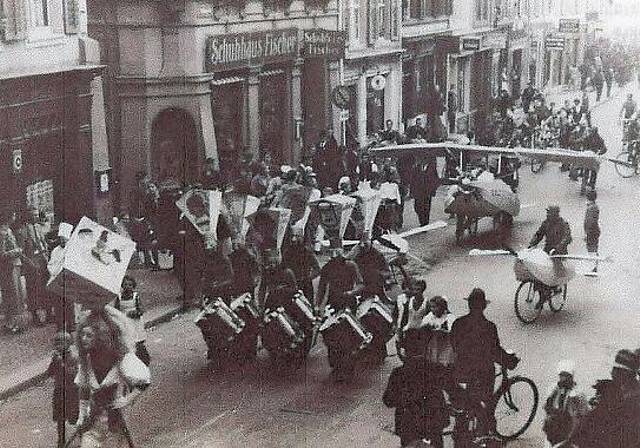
x=477 y=348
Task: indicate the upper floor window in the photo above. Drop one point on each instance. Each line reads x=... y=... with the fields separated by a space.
x=39 y=13
x=424 y=9
x=381 y=18
x=482 y=10
x=354 y=20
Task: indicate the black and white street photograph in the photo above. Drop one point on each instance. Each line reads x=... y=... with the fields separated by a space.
x=319 y=223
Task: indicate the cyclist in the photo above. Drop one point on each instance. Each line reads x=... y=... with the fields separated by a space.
x=477 y=348
x=556 y=232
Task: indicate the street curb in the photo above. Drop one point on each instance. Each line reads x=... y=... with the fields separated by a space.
x=37 y=378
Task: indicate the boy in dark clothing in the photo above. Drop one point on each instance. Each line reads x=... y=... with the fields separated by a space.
x=63 y=369
x=416 y=390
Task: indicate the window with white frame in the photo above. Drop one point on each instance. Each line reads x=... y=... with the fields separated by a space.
x=482 y=10
x=39 y=13
x=381 y=21
x=354 y=20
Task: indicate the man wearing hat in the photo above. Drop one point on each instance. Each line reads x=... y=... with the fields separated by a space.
x=565 y=397
x=555 y=231
x=477 y=348
x=614 y=420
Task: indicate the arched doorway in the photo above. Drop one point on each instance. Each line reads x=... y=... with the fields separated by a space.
x=174 y=148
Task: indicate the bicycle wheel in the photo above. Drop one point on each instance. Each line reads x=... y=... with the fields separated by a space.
x=526 y=302
x=627 y=166
x=536 y=165
x=516 y=407
x=557 y=301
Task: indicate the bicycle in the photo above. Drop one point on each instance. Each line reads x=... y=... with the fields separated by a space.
x=531 y=296
x=514 y=403
x=542 y=280
x=628 y=161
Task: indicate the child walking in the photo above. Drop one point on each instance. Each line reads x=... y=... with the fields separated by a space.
x=129 y=303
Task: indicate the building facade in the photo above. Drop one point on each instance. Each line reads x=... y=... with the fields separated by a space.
x=425 y=30
x=53 y=146
x=227 y=80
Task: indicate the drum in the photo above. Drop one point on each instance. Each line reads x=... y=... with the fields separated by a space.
x=343 y=332
x=376 y=317
x=245 y=308
x=302 y=311
x=280 y=333
x=219 y=321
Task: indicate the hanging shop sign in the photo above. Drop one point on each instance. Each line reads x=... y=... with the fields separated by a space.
x=240 y=50
x=340 y=96
x=17 y=160
x=569 y=26
x=378 y=82
x=471 y=44
x=554 y=43
x=323 y=44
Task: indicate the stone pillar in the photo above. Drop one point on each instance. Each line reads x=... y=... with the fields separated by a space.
x=362 y=108
x=296 y=108
x=253 y=112
x=208 y=129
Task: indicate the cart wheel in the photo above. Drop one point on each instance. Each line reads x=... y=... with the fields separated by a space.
x=526 y=302
x=557 y=300
x=628 y=166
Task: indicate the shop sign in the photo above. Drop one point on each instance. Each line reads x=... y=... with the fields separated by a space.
x=378 y=82
x=448 y=44
x=17 y=160
x=569 y=25
x=341 y=96
x=554 y=43
x=324 y=44
x=471 y=44
x=240 y=50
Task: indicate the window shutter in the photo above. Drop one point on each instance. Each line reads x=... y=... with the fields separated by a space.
x=14 y=19
x=71 y=17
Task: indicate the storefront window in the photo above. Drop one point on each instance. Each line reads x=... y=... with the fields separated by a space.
x=39 y=13
x=228 y=105
x=375 y=109
x=462 y=96
x=40 y=197
x=272 y=116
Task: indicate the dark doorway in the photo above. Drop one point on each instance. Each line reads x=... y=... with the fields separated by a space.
x=227 y=104
x=273 y=109
x=175 y=156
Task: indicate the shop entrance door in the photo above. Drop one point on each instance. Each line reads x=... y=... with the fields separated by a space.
x=227 y=104
x=273 y=110
x=174 y=157
x=375 y=109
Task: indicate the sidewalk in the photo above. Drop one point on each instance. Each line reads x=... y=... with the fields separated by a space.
x=25 y=357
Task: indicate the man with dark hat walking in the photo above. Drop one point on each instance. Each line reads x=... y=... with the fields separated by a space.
x=477 y=348
x=614 y=420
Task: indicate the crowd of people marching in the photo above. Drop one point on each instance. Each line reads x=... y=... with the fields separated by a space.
x=267 y=287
